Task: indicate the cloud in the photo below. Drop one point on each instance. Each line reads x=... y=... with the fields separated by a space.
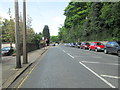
x=59 y=20
x=2 y=14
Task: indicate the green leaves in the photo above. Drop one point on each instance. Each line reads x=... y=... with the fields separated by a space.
x=91 y=21
x=46 y=32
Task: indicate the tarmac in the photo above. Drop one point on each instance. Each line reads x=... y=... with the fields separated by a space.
x=9 y=70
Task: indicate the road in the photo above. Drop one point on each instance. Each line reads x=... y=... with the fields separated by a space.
x=66 y=67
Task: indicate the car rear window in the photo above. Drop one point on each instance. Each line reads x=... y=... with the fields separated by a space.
x=99 y=44
x=87 y=44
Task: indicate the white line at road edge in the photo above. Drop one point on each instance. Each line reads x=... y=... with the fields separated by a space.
x=98 y=75
x=100 y=63
x=109 y=76
x=70 y=55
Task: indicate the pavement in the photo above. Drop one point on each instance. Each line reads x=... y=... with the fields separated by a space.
x=9 y=70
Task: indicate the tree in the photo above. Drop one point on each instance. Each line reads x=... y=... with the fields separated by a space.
x=91 y=21
x=46 y=33
x=54 y=39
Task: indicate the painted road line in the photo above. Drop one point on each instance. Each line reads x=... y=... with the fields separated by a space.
x=100 y=63
x=112 y=86
x=64 y=51
x=109 y=76
x=26 y=77
x=70 y=55
x=20 y=80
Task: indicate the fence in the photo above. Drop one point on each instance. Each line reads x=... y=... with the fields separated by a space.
x=30 y=46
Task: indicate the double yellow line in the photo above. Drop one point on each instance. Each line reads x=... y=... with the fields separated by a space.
x=23 y=79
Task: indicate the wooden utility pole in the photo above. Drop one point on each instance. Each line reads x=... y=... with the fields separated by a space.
x=0 y=44
x=17 y=37
x=25 y=60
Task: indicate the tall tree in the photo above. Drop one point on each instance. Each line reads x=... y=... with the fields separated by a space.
x=46 y=32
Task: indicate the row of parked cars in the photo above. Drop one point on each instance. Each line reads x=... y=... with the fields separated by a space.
x=109 y=47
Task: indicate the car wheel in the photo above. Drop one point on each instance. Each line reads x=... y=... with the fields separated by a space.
x=89 y=49
x=96 y=50
x=118 y=53
x=105 y=51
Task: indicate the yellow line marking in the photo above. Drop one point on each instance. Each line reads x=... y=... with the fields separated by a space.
x=26 y=77
x=23 y=81
x=20 y=80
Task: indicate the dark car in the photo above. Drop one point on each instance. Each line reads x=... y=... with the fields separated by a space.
x=112 y=47
x=97 y=46
x=6 y=51
x=84 y=45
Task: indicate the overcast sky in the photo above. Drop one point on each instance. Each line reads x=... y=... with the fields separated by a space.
x=42 y=13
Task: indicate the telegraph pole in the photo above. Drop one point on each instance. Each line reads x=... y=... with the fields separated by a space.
x=17 y=37
x=0 y=43
x=25 y=60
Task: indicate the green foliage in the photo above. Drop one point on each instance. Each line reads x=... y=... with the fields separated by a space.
x=54 y=38
x=37 y=38
x=8 y=30
x=46 y=33
x=90 y=21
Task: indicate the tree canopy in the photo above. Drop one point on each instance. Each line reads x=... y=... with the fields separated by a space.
x=90 y=21
x=46 y=32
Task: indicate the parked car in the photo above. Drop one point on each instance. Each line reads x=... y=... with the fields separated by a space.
x=78 y=45
x=112 y=47
x=73 y=44
x=6 y=51
x=97 y=46
x=84 y=45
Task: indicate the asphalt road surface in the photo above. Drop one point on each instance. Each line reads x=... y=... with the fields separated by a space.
x=67 y=67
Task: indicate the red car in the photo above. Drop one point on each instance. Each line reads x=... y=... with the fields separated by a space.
x=97 y=46
x=84 y=45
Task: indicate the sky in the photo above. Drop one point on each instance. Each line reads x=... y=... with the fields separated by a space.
x=42 y=13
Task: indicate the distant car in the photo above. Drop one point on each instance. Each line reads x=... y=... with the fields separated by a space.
x=6 y=51
x=73 y=44
x=97 y=46
x=112 y=47
x=84 y=45
x=78 y=45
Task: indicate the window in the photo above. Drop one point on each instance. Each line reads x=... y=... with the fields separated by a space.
x=99 y=44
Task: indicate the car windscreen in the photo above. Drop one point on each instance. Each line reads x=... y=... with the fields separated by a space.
x=6 y=49
x=99 y=44
x=118 y=43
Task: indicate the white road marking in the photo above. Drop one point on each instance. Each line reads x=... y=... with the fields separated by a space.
x=109 y=76
x=64 y=51
x=112 y=86
x=100 y=63
x=88 y=56
x=70 y=55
